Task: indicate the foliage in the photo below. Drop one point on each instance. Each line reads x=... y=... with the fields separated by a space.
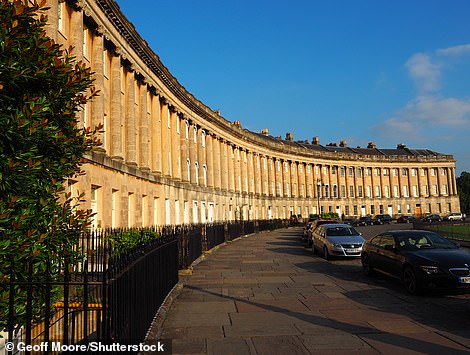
x=329 y=215
x=124 y=241
x=463 y=188
x=42 y=88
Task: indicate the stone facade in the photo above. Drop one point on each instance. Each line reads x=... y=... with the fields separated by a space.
x=167 y=158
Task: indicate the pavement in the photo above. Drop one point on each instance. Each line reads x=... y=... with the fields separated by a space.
x=266 y=294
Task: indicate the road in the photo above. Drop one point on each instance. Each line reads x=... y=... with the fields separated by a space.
x=267 y=294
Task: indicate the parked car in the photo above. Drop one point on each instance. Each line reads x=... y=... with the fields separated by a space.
x=307 y=232
x=365 y=221
x=382 y=219
x=337 y=240
x=406 y=219
x=454 y=216
x=351 y=221
x=432 y=218
x=315 y=224
x=420 y=259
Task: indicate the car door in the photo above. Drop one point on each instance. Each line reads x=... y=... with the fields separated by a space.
x=390 y=256
x=318 y=237
x=373 y=252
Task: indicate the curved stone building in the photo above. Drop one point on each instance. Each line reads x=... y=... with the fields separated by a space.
x=169 y=159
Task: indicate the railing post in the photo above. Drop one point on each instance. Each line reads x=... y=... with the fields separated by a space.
x=205 y=246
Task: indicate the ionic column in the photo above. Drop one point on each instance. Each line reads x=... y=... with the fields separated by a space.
x=217 y=163
x=249 y=166
x=231 y=167
x=165 y=137
x=184 y=142
x=243 y=172
x=76 y=41
x=193 y=152
x=115 y=119
x=175 y=145
x=450 y=185
x=271 y=177
x=210 y=159
x=224 y=164
x=131 y=154
x=201 y=153
x=156 y=135
x=144 y=129
x=97 y=112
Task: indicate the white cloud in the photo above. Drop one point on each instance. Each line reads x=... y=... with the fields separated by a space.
x=427 y=116
x=424 y=72
x=456 y=50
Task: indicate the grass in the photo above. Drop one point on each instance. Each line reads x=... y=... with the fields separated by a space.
x=457 y=231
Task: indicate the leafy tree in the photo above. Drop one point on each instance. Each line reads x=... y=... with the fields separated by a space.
x=42 y=88
x=463 y=188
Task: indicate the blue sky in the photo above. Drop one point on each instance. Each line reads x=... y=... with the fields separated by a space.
x=366 y=70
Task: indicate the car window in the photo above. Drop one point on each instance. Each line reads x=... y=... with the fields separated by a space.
x=424 y=240
x=376 y=241
x=387 y=240
x=340 y=231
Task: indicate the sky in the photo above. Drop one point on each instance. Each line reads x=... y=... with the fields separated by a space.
x=387 y=71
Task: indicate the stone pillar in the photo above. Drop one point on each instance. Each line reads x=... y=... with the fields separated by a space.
x=184 y=143
x=250 y=172
x=165 y=138
x=201 y=154
x=131 y=153
x=210 y=159
x=224 y=164
x=243 y=171
x=231 y=168
x=217 y=169
x=144 y=128
x=175 y=151
x=115 y=119
x=97 y=108
x=76 y=41
x=156 y=135
x=192 y=143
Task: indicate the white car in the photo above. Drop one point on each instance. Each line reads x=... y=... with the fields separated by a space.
x=455 y=216
x=337 y=240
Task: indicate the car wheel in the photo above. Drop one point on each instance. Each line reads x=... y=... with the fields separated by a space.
x=366 y=267
x=410 y=282
x=326 y=253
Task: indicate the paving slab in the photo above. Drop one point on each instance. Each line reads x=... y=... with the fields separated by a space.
x=266 y=294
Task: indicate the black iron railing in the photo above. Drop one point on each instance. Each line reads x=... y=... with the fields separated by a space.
x=112 y=290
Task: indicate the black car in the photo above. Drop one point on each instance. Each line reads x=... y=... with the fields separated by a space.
x=382 y=219
x=406 y=219
x=432 y=218
x=351 y=221
x=420 y=259
x=365 y=221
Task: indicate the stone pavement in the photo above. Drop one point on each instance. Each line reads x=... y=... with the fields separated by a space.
x=266 y=294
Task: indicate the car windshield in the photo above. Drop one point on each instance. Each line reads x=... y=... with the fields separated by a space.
x=341 y=231
x=417 y=241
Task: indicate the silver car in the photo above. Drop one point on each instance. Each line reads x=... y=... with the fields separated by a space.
x=337 y=240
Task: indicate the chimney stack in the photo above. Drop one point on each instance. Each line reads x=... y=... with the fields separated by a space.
x=315 y=141
x=265 y=131
x=289 y=136
x=343 y=143
x=371 y=145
